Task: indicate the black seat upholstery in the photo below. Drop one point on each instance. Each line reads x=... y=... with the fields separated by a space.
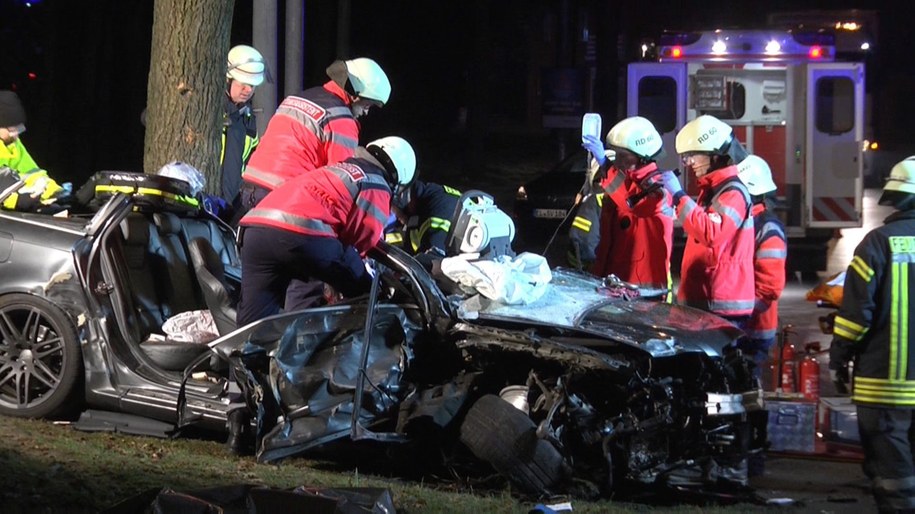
x=210 y=271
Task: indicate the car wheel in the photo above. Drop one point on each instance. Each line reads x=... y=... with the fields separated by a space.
x=41 y=368
x=506 y=438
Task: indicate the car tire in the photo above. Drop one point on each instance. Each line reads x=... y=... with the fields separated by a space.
x=506 y=438
x=41 y=364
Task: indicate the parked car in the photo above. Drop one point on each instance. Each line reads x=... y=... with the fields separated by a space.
x=544 y=208
x=591 y=383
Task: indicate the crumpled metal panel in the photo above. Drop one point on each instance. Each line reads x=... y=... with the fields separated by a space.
x=312 y=373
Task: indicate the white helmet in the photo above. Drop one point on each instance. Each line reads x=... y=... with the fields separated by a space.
x=368 y=80
x=246 y=65
x=706 y=134
x=902 y=177
x=637 y=135
x=754 y=172
x=186 y=172
x=398 y=158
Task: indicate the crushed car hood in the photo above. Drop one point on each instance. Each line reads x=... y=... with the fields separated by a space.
x=580 y=302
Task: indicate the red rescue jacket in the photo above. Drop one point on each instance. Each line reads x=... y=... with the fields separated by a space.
x=769 y=270
x=635 y=243
x=308 y=131
x=717 y=270
x=349 y=200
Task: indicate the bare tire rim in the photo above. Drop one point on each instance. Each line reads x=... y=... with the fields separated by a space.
x=32 y=357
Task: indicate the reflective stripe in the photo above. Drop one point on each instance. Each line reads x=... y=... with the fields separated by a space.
x=883 y=391
x=451 y=191
x=393 y=238
x=266 y=179
x=371 y=210
x=146 y=191
x=582 y=224
x=433 y=223
x=615 y=184
x=343 y=140
x=599 y=198
x=861 y=268
x=899 y=320
x=731 y=305
x=895 y=484
x=292 y=220
x=772 y=254
x=849 y=329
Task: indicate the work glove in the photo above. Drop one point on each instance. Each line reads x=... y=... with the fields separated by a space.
x=595 y=147
x=840 y=378
x=670 y=182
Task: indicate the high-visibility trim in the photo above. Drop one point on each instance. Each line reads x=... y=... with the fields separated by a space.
x=582 y=224
x=884 y=391
x=899 y=314
x=451 y=191
x=861 y=268
x=433 y=223
x=772 y=254
x=599 y=198
x=393 y=238
x=147 y=191
x=292 y=220
x=731 y=305
x=849 y=329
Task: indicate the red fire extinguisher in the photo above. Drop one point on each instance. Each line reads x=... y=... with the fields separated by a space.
x=783 y=369
x=810 y=373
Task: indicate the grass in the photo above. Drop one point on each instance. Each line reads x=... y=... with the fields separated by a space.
x=47 y=467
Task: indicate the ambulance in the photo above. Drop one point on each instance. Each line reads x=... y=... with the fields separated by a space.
x=789 y=100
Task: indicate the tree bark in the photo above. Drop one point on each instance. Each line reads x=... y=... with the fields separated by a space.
x=186 y=88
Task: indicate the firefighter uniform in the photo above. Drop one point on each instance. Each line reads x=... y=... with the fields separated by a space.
x=769 y=272
x=872 y=328
x=716 y=274
x=304 y=230
x=584 y=234
x=239 y=139
x=636 y=241
x=433 y=206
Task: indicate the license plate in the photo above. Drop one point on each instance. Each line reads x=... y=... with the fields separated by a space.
x=550 y=213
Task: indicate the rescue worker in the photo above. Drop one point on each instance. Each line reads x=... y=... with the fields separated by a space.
x=310 y=130
x=39 y=189
x=245 y=70
x=316 y=127
x=584 y=234
x=716 y=273
x=636 y=224
x=769 y=256
x=316 y=227
x=426 y=215
x=871 y=329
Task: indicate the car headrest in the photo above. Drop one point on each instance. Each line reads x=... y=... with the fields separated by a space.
x=167 y=223
x=135 y=229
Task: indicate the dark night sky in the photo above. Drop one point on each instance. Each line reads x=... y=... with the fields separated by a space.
x=92 y=61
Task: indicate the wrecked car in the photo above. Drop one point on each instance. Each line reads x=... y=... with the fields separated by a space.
x=589 y=383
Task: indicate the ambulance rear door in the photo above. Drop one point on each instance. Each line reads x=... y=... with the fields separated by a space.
x=657 y=91
x=833 y=164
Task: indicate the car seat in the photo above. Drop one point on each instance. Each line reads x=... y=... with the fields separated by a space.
x=210 y=271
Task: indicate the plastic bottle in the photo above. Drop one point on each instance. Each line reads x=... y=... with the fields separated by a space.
x=590 y=125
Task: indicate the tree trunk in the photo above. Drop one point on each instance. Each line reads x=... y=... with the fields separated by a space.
x=186 y=90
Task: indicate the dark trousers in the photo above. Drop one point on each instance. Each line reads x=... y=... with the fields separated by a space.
x=272 y=258
x=887 y=435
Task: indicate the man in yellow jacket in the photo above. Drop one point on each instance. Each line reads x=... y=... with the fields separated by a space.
x=39 y=188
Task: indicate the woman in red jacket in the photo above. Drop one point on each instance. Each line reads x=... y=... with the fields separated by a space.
x=716 y=273
x=637 y=220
